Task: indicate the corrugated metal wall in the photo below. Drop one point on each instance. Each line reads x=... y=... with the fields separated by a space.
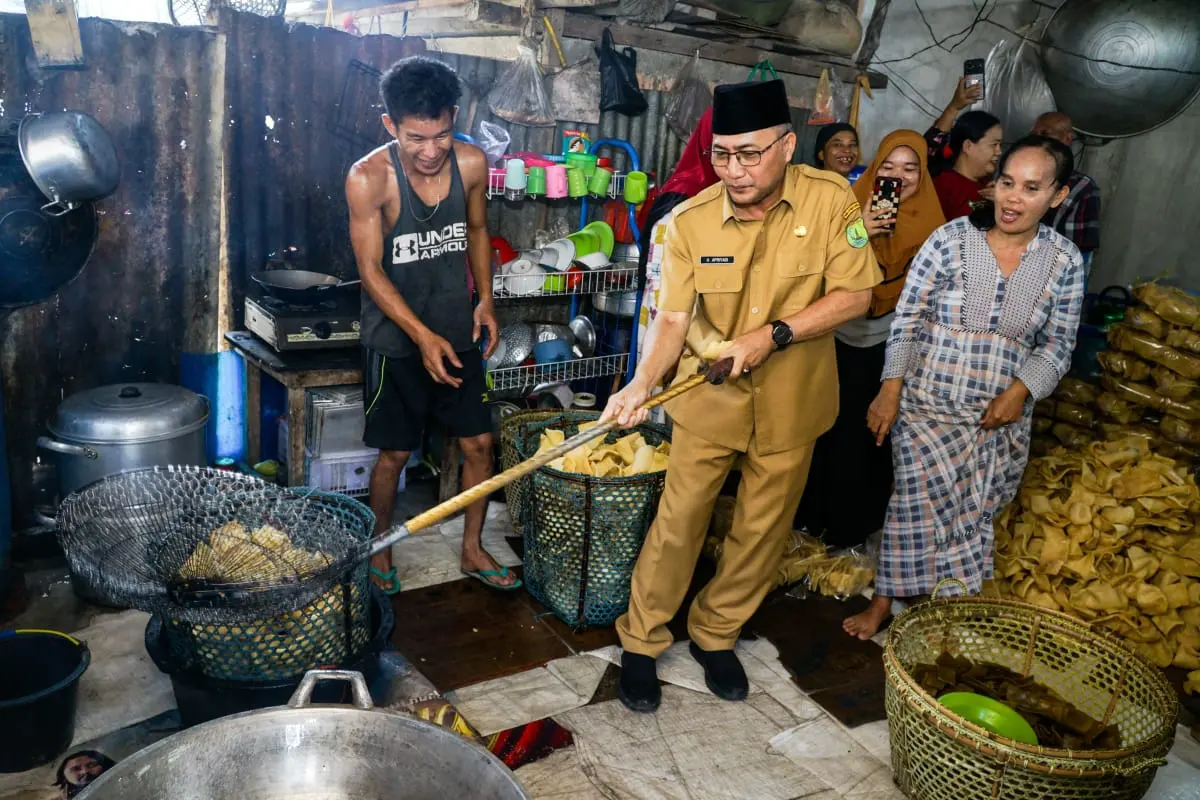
x=286 y=181
x=145 y=295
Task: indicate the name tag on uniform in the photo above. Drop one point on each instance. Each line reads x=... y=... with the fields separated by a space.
x=705 y=260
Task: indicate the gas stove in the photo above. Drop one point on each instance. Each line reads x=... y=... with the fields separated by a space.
x=287 y=326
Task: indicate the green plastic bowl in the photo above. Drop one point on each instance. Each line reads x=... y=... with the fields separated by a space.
x=991 y=715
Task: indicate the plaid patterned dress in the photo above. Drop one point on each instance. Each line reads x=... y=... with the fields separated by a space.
x=962 y=334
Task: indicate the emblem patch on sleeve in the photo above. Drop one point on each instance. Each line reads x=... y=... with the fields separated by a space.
x=856 y=234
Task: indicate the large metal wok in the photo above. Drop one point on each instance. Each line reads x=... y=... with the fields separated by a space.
x=1091 y=51
x=301 y=286
x=311 y=751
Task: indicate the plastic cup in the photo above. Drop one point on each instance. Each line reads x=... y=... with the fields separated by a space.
x=515 y=179
x=556 y=181
x=537 y=182
x=637 y=185
x=577 y=183
x=584 y=161
x=599 y=182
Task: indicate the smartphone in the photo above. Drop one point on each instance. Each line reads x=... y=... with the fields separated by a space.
x=973 y=69
x=886 y=197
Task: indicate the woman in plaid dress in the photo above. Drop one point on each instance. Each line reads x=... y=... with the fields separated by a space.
x=984 y=328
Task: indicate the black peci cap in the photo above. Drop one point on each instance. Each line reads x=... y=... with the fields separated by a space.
x=744 y=107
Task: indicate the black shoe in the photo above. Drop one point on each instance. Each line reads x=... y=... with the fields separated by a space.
x=723 y=673
x=639 y=689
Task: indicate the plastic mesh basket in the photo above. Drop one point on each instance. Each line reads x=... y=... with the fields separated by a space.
x=582 y=534
x=326 y=631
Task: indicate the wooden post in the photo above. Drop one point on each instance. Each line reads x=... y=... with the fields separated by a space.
x=54 y=27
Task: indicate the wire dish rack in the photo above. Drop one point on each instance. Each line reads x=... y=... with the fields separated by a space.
x=616 y=187
x=622 y=277
x=516 y=378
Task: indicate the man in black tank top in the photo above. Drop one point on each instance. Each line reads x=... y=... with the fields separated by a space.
x=418 y=208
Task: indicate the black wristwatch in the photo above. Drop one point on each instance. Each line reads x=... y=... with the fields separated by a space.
x=781 y=334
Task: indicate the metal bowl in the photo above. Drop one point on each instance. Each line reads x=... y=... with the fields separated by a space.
x=1085 y=43
x=547 y=331
x=623 y=304
x=585 y=336
x=518 y=343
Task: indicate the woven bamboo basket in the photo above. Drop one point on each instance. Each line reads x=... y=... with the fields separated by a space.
x=937 y=755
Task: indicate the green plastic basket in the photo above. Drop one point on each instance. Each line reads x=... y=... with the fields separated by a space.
x=582 y=534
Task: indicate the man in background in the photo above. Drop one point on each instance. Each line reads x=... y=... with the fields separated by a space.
x=1078 y=217
x=418 y=210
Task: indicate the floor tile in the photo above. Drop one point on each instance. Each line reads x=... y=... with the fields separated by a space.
x=512 y=700
x=695 y=747
x=425 y=559
x=559 y=776
x=826 y=749
x=122 y=686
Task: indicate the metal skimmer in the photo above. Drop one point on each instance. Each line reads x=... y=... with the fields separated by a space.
x=148 y=538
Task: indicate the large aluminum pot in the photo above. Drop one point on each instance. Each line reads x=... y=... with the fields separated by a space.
x=124 y=427
x=70 y=157
x=1091 y=51
x=302 y=750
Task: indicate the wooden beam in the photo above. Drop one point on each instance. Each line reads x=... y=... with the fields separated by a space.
x=581 y=26
x=870 y=44
x=54 y=27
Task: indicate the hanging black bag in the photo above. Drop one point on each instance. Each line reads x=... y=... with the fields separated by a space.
x=618 y=78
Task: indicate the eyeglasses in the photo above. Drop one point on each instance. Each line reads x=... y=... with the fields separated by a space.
x=747 y=158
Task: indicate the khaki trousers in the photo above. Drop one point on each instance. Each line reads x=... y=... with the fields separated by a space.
x=767 y=499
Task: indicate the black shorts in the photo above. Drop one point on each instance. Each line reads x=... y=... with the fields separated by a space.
x=401 y=400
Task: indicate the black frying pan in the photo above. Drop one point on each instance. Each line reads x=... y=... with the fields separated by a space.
x=300 y=286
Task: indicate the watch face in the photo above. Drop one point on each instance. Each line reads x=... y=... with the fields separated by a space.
x=782 y=335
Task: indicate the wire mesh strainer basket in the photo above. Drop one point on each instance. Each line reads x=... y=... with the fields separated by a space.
x=582 y=534
x=131 y=538
x=937 y=755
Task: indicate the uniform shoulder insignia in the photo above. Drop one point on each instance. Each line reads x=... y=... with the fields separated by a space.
x=702 y=198
x=826 y=175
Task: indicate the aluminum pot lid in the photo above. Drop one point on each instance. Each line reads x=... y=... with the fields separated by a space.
x=126 y=413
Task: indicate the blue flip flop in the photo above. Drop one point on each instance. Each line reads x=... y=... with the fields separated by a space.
x=483 y=575
x=387 y=577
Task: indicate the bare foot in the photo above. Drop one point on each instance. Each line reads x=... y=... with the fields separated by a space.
x=481 y=562
x=866 y=624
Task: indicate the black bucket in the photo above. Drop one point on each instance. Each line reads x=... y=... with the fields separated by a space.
x=202 y=698
x=39 y=684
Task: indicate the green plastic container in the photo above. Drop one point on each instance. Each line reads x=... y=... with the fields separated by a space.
x=991 y=715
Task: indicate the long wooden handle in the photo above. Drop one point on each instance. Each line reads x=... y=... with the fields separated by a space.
x=442 y=510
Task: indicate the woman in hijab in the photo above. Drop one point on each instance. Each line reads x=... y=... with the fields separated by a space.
x=850 y=482
x=836 y=149
x=692 y=174
x=984 y=328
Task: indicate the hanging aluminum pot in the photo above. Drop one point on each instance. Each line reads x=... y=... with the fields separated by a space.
x=70 y=157
x=124 y=427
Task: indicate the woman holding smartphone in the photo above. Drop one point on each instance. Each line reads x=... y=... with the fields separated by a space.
x=963 y=151
x=984 y=328
x=851 y=479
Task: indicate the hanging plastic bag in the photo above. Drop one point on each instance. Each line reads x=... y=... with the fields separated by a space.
x=493 y=140
x=831 y=103
x=519 y=94
x=1015 y=88
x=619 y=89
x=688 y=100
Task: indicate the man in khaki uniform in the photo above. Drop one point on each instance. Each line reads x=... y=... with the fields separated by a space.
x=771 y=260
